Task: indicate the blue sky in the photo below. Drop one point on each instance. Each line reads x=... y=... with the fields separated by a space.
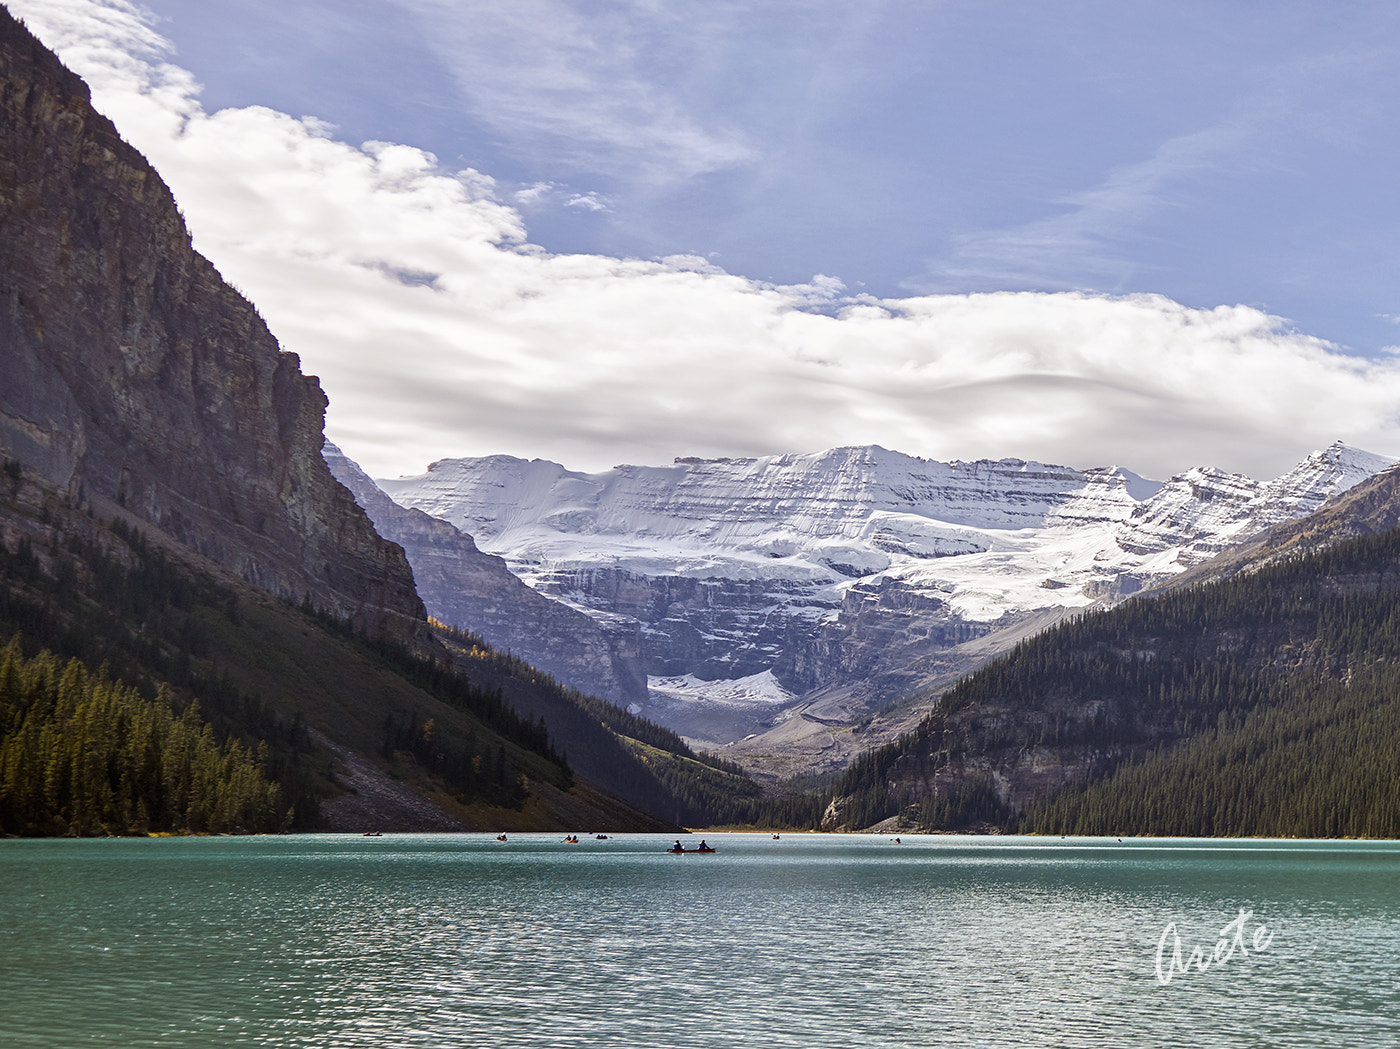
x=1193 y=192
x=1214 y=153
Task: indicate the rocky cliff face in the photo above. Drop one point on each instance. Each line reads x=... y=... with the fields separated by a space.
x=131 y=373
x=820 y=586
x=475 y=591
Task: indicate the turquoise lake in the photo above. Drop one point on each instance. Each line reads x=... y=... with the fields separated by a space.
x=810 y=940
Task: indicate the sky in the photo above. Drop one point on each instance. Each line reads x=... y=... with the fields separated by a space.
x=1156 y=235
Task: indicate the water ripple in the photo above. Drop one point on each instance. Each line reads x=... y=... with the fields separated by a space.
x=444 y=942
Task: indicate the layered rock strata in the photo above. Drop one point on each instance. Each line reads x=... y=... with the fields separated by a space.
x=789 y=593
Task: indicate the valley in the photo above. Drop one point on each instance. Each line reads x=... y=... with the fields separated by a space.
x=773 y=604
x=845 y=639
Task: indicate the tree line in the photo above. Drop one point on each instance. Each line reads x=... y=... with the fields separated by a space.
x=473 y=771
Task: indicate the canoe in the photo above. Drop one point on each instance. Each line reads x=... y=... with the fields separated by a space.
x=677 y=852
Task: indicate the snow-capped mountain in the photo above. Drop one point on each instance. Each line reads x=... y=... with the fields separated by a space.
x=843 y=573
x=463 y=586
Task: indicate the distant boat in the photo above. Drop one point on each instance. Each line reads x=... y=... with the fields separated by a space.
x=600 y=837
x=372 y=834
x=500 y=837
x=687 y=852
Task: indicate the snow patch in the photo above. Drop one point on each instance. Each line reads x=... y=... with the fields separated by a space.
x=755 y=690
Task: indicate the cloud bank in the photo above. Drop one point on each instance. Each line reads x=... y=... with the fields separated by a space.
x=438 y=329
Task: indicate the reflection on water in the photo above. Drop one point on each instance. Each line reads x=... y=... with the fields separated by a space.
x=812 y=940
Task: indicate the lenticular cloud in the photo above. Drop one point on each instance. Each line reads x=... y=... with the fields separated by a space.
x=439 y=329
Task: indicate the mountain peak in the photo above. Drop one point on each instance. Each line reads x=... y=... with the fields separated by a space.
x=845 y=568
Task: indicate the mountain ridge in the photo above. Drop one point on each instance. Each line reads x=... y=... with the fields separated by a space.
x=850 y=577
x=464 y=587
x=1262 y=702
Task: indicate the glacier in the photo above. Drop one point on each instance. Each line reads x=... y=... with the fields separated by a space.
x=840 y=581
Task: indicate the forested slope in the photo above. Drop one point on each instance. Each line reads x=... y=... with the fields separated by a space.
x=639 y=761
x=131 y=601
x=486 y=738
x=1263 y=704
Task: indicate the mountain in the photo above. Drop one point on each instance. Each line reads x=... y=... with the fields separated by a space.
x=466 y=588
x=1370 y=507
x=1265 y=702
x=786 y=597
x=167 y=519
x=134 y=375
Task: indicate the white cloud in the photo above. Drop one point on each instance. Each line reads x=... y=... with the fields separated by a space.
x=542 y=195
x=533 y=194
x=586 y=202
x=439 y=330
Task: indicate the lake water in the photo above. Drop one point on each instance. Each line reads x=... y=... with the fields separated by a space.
x=811 y=940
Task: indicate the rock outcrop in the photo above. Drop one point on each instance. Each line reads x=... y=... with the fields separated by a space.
x=130 y=372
